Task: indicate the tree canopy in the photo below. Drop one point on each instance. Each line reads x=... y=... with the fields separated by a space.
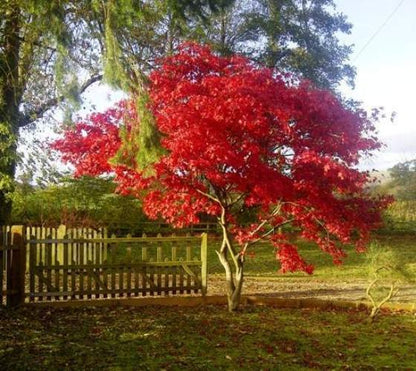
x=52 y=51
x=297 y=36
x=240 y=138
x=404 y=178
x=400 y=181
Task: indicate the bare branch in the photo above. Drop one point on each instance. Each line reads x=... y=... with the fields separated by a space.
x=209 y=196
x=38 y=113
x=263 y=236
x=377 y=306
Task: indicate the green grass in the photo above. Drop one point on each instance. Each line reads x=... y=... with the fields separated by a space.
x=205 y=338
x=355 y=266
x=210 y=338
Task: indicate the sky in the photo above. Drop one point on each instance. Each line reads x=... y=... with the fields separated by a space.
x=384 y=38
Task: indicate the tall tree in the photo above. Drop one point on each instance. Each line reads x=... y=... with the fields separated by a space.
x=299 y=36
x=239 y=138
x=52 y=51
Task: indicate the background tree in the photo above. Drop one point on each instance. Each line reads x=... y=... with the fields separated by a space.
x=240 y=138
x=84 y=201
x=52 y=51
x=403 y=179
x=298 y=36
x=399 y=182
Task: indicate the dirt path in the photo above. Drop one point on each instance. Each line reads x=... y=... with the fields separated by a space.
x=307 y=289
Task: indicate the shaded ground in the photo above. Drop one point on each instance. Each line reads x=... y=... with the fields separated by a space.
x=299 y=288
x=204 y=338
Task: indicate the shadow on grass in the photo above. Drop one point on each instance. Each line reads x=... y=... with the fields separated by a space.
x=204 y=338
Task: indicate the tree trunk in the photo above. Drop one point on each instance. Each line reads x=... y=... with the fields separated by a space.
x=10 y=98
x=234 y=277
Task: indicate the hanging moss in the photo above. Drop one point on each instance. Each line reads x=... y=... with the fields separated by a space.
x=114 y=73
x=148 y=136
x=140 y=140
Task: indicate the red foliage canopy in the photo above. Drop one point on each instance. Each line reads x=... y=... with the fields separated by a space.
x=237 y=138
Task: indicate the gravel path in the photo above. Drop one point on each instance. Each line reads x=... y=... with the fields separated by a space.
x=307 y=289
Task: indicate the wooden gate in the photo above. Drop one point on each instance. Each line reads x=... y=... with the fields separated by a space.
x=60 y=264
x=85 y=268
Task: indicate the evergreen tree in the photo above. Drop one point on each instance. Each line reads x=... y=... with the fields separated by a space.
x=298 y=36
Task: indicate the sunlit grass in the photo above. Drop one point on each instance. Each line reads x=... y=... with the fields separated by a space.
x=354 y=267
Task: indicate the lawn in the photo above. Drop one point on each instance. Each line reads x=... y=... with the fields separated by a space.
x=208 y=337
x=329 y=282
x=355 y=267
x=205 y=338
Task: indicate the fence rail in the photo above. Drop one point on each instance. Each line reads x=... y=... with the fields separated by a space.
x=62 y=265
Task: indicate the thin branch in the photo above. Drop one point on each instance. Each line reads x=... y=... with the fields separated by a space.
x=260 y=226
x=320 y=223
x=377 y=306
x=263 y=236
x=269 y=232
x=237 y=199
x=38 y=113
x=368 y=292
x=209 y=196
x=37 y=43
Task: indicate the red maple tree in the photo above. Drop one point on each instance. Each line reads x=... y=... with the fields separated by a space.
x=240 y=139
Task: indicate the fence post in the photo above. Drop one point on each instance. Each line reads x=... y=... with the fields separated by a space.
x=16 y=267
x=60 y=235
x=204 y=266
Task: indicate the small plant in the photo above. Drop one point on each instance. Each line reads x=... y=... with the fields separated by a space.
x=378 y=293
x=387 y=272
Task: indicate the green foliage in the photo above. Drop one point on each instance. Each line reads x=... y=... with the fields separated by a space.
x=52 y=51
x=149 y=148
x=114 y=71
x=75 y=202
x=404 y=211
x=296 y=36
x=142 y=140
x=404 y=179
x=7 y=156
x=388 y=270
x=401 y=184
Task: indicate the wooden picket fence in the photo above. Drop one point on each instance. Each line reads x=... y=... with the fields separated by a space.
x=62 y=264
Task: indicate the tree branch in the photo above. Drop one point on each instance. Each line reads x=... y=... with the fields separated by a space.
x=264 y=235
x=38 y=113
x=208 y=196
